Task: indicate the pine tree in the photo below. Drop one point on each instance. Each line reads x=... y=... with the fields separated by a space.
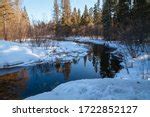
x=79 y=17
x=66 y=12
x=74 y=19
x=91 y=19
x=122 y=11
x=141 y=18
x=106 y=19
x=56 y=12
x=56 y=17
x=85 y=20
x=97 y=19
x=6 y=15
x=14 y=20
x=24 y=24
x=97 y=13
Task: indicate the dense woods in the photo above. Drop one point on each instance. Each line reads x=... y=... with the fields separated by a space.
x=126 y=20
x=117 y=19
x=70 y=22
x=14 y=21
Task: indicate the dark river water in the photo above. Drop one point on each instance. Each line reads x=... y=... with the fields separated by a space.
x=20 y=83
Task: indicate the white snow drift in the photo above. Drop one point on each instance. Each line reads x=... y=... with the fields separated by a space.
x=135 y=85
x=98 y=89
x=15 y=54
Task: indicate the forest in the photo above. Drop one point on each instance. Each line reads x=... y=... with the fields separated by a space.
x=126 y=20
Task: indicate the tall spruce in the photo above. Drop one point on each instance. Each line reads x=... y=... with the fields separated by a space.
x=97 y=13
x=97 y=19
x=7 y=14
x=85 y=17
x=122 y=11
x=91 y=19
x=141 y=18
x=74 y=19
x=56 y=12
x=56 y=17
x=13 y=19
x=66 y=12
x=79 y=16
x=106 y=19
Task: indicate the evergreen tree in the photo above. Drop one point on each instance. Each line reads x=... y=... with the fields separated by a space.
x=141 y=18
x=66 y=12
x=122 y=11
x=97 y=19
x=106 y=19
x=85 y=17
x=79 y=16
x=6 y=16
x=56 y=17
x=74 y=19
x=14 y=20
x=91 y=19
x=56 y=11
x=97 y=13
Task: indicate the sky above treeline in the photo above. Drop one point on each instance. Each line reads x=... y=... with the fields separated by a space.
x=43 y=9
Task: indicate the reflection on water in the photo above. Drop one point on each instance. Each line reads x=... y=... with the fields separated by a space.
x=99 y=63
x=13 y=84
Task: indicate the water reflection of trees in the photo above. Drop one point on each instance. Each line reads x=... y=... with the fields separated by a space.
x=64 y=68
x=41 y=69
x=47 y=68
x=13 y=84
x=103 y=61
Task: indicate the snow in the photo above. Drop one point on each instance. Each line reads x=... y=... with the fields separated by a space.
x=124 y=86
x=135 y=85
x=133 y=64
x=13 y=54
x=96 y=89
x=139 y=68
x=100 y=41
x=87 y=40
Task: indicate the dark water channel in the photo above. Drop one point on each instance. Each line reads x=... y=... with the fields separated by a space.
x=20 y=83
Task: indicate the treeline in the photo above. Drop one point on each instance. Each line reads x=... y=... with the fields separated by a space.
x=14 y=21
x=70 y=22
x=127 y=20
x=117 y=19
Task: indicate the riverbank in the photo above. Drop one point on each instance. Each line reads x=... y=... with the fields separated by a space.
x=13 y=54
x=98 y=89
x=131 y=83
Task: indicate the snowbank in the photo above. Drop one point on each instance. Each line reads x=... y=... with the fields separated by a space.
x=14 y=54
x=134 y=85
x=99 y=41
x=139 y=68
x=87 y=40
x=113 y=89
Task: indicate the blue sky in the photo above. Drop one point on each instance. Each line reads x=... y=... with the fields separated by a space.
x=43 y=9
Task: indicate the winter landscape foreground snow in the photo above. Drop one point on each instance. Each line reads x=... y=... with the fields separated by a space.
x=132 y=85
x=13 y=54
x=111 y=89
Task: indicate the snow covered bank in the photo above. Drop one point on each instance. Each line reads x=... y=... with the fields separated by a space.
x=98 y=89
x=87 y=40
x=15 y=54
x=139 y=68
x=100 y=41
